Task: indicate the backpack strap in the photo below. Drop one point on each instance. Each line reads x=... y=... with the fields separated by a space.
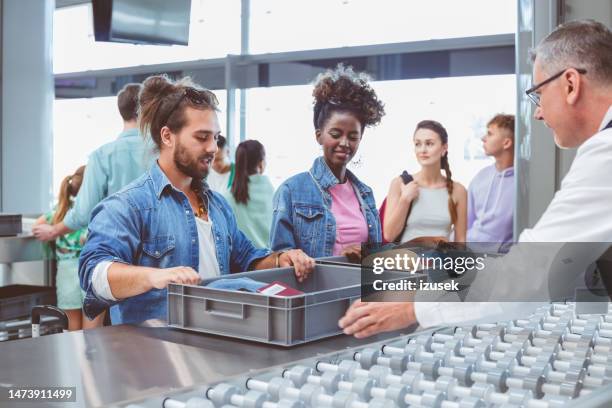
x=406 y=178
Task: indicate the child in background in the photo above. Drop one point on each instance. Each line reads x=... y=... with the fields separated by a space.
x=67 y=250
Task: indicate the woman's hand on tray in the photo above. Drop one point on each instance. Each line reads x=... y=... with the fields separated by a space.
x=352 y=253
x=303 y=264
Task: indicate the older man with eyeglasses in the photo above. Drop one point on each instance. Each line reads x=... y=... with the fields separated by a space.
x=573 y=96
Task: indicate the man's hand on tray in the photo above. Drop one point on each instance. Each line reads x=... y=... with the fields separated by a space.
x=303 y=264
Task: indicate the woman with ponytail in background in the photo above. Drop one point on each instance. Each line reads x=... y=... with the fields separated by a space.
x=67 y=250
x=432 y=207
x=251 y=193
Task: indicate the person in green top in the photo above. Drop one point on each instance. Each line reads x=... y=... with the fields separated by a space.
x=251 y=193
x=67 y=250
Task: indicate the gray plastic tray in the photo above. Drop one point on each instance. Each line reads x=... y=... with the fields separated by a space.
x=284 y=321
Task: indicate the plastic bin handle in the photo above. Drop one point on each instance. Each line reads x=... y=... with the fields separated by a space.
x=47 y=310
x=209 y=310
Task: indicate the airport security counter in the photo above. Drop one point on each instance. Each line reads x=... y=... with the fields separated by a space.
x=552 y=359
x=120 y=363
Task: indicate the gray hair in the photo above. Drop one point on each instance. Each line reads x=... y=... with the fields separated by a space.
x=585 y=44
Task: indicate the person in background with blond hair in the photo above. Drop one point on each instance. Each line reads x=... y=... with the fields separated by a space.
x=67 y=250
x=491 y=192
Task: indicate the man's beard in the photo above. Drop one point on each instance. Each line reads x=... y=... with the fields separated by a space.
x=189 y=165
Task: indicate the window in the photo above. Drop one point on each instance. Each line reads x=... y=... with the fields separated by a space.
x=281 y=119
x=214 y=32
x=279 y=25
x=79 y=127
x=82 y=125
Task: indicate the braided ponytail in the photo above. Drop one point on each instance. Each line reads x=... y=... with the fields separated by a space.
x=452 y=207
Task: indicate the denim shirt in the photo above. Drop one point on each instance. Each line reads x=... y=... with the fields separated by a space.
x=302 y=215
x=150 y=223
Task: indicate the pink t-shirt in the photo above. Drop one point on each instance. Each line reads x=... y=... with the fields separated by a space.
x=351 y=226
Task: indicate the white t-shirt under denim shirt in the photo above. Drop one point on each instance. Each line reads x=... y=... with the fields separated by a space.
x=208 y=267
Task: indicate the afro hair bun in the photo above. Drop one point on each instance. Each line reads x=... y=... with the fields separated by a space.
x=344 y=89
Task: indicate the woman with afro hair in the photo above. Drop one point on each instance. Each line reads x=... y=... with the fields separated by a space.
x=327 y=210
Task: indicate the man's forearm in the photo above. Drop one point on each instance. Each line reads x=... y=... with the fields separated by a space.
x=128 y=280
x=269 y=262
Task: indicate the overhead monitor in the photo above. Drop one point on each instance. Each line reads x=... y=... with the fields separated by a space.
x=164 y=22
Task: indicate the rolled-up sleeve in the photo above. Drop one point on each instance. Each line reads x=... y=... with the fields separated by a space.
x=113 y=237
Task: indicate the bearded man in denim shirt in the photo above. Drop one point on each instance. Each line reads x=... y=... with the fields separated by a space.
x=168 y=224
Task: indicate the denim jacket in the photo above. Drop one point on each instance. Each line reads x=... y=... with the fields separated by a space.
x=302 y=215
x=150 y=223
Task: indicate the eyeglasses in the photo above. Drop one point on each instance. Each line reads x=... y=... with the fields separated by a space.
x=196 y=97
x=535 y=97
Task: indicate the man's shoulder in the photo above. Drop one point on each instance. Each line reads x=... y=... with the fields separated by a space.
x=296 y=180
x=591 y=164
x=599 y=142
x=139 y=193
x=483 y=175
x=121 y=144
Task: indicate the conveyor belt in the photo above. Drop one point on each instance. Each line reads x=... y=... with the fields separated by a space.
x=551 y=359
x=125 y=363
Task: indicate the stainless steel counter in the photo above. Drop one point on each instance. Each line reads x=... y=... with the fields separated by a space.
x=23 y=260
x=120 y=363
x=20 y=248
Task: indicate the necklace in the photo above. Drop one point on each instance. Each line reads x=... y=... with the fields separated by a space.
x=202 y=209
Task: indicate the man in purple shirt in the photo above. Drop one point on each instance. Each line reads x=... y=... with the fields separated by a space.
x=491 y=192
